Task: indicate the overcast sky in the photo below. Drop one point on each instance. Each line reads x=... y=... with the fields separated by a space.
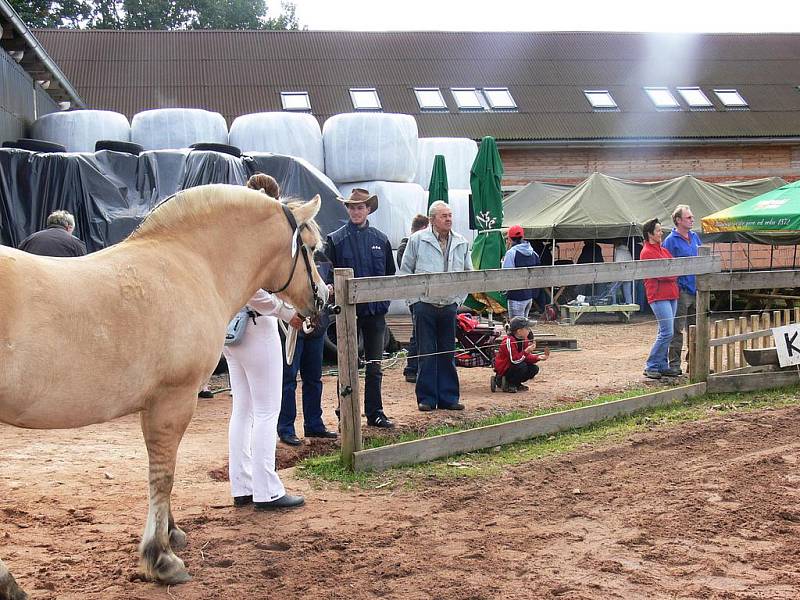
x=548 y=15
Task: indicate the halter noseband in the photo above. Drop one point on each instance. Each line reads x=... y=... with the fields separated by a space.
x=296 y=231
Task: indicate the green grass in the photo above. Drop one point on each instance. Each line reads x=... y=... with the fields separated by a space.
x=485 y=463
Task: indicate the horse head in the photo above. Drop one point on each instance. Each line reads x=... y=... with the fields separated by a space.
x=304 y=288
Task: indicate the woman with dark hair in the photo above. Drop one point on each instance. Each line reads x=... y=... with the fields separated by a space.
x=256 y=371
x=662 y=295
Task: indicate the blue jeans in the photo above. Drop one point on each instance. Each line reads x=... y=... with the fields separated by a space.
x=627 y=291
x=412 y=363
x=664 y=310
x=519 y=308
x=437 y=378
x=308 y=361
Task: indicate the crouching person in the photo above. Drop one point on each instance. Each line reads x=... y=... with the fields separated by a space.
x=515 y=362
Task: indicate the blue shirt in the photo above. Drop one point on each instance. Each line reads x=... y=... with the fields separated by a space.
x=680 y=248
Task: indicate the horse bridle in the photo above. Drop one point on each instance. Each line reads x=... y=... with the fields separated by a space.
x=298 y=242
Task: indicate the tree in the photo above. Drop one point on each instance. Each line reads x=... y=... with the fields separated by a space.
x=155 y=14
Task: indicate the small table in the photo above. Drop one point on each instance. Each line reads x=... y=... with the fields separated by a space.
x=571 y=313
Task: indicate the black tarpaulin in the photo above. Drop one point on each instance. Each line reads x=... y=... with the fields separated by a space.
x=111 y=192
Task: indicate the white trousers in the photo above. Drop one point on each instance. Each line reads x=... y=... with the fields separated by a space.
x=256 y=371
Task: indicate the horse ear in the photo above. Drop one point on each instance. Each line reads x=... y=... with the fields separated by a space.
x=308 y=211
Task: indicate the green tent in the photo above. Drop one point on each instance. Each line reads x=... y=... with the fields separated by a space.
x=603 y=207
x=487 y=207
x=523 y=205
x=777 y=212
x=437 y=189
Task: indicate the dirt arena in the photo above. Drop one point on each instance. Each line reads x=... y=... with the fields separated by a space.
x=701 y=510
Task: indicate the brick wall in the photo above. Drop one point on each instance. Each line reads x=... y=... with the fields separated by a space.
x=723 y=163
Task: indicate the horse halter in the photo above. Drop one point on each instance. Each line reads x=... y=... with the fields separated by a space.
x=297 y=241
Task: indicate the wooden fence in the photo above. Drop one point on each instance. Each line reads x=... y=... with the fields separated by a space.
x=349 y=291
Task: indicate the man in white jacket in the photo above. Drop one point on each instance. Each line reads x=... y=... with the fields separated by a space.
x=437 y=249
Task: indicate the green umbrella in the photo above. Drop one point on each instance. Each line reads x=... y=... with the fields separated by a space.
x=437 y=190
x=487 y=208
x=778 y=210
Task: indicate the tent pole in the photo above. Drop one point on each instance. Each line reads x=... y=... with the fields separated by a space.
x=794 y=257
x=730 y=270
x=552 y=264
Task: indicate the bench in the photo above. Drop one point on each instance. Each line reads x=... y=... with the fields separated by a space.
x=571 y=313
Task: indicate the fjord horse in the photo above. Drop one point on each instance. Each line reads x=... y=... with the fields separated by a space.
x=138 y=327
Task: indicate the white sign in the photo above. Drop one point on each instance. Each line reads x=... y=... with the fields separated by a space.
x=787 y=341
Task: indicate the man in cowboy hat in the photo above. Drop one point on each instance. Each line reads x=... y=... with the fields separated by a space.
x=368 y=252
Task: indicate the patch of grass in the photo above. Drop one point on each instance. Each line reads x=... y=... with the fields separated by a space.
x=485 y=463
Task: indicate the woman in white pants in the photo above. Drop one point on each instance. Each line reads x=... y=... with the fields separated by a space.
x=256 y=373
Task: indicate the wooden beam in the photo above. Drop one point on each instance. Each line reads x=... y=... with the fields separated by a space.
x=753 y=280
x=752 y=382
x=374 y=289
x=740 y=336
x=347 y=356
x=417 y=451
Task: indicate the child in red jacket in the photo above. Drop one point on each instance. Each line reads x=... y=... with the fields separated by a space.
x=515 y=362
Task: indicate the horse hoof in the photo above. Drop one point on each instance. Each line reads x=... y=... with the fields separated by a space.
x=170 y=570
x=177 y=539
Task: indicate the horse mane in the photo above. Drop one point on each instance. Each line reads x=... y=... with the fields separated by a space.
x=191 y=207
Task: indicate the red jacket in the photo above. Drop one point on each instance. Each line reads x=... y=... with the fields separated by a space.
x=659 y=288
x=511 y=352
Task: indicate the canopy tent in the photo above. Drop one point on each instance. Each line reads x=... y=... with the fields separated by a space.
x=523 y=205
x=775 y=213
x=604 y=207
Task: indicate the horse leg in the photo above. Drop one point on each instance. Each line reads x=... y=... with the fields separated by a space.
x=163 y=425
x=177 y=536
x=9 y=590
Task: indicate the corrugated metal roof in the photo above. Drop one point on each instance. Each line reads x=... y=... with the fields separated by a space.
x=240 y=72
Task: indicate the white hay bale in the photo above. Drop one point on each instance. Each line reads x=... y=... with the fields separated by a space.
x=293 y=134
x=398 y=203
x=459 y=154
x=370 y=147
x=78 y=130
x=459 y=204
x=172 y=128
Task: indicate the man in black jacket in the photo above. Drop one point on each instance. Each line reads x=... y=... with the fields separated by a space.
x=57 y=239
x=368 y=252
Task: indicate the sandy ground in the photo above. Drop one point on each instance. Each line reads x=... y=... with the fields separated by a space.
x=705 y=510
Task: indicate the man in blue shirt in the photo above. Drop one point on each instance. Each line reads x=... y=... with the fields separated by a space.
x=682 y=242
x=368 y=252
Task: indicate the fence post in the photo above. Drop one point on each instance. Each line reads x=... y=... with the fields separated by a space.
x=776 y=318
x=731 y=346
x=743 y=343
x=719 y=331
x=755 y=325
x=766 y=342
x=703 y=304
x=347 y=357
x=797 y=314
x=692 y=348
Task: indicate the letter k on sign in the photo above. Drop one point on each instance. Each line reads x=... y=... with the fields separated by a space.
x=787 y=342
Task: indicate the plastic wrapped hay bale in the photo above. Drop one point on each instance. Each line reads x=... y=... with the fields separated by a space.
x=78 y=130
x=172 y=128
x=459 y=154
x=370 y=147
x=293 y=134
x=459 y=204
x=398 y=203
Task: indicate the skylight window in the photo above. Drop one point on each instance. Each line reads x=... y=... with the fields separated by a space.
x=430 y=99
x=694 y=97
x=365 y=99
x=731 y=98
x=467 y=98
x=600 y=98
x=295 y=101
x=662 y=97
x=499 y=98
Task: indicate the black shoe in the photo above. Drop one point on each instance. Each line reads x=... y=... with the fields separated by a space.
x=522 y=388
x=411 y=377
x=652 y=374
x=424 y=407
x=330 y=435
x=291 y=440
x=205 y=394
x=380 y=420
x=285 y=501
x=672 y=372
x=456 y=406
x=242 y=500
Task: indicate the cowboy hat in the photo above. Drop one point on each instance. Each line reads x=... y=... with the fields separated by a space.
x=359 y=195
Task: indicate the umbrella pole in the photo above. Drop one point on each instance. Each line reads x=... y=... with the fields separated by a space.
x=794 y=257
x=553 y=264
x=730 y=270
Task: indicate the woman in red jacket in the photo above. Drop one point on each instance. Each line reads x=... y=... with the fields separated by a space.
x=662 y=295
